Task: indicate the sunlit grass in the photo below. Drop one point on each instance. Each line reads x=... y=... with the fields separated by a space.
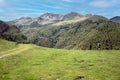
x=39 y=63
x=70 y=21
x=4 y=45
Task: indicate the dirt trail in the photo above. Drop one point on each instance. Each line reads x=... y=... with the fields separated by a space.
x=14 y=51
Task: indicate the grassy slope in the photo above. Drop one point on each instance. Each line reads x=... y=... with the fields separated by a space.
x=41 y=63
x=5 y=46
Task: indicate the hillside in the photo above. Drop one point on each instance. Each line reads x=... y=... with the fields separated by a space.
x=10 y=32
x=72 y=31
x=30 y=62
x=116 y=19
x=21 y=20
x=77 y=34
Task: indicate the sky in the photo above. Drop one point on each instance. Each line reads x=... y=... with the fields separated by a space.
x=14 y=9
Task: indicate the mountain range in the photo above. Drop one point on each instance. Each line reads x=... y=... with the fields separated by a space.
x=46 y=19
x=71 y=31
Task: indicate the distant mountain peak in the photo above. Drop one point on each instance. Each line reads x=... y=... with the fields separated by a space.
x=72 y=15
x=49 y=18
x=50 y=15
x=25 y=17
x=21 y=20
x=116 y=19
x=88 y=15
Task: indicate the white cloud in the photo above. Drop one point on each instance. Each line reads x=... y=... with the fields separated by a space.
x=103 y=3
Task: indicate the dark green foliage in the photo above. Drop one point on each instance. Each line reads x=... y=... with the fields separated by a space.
x=80 y=35
x=11 y=33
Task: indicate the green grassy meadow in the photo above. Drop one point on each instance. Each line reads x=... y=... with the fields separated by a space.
x=30 y=62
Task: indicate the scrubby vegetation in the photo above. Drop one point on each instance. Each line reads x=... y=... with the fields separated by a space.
x=78 y=35
x=11 y=33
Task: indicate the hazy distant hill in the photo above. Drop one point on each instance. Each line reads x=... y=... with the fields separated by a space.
x=21 y=20
x=116 y=19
